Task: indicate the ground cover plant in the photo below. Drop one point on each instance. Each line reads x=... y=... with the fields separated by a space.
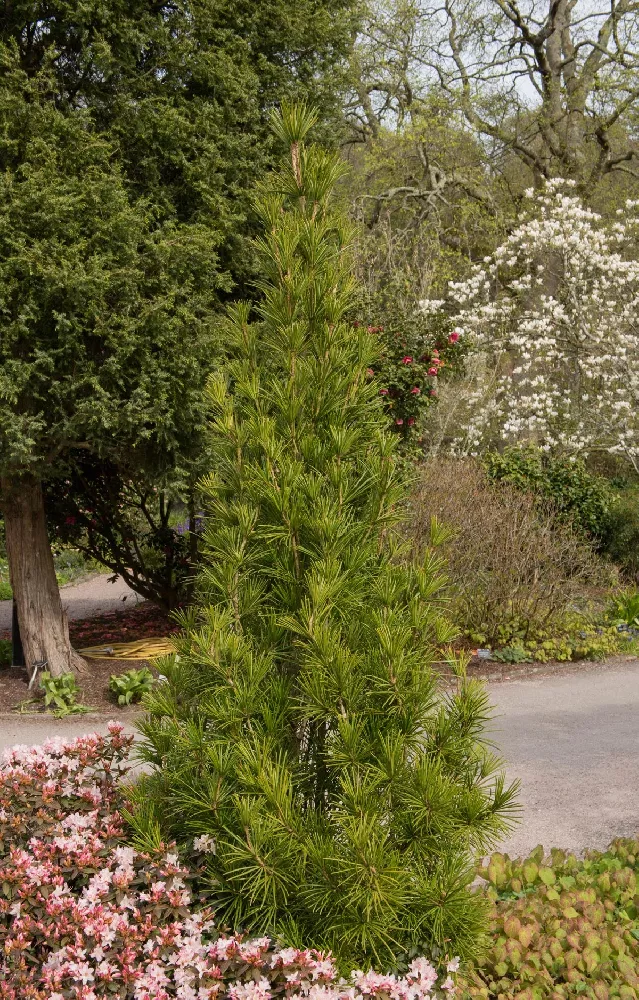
x=301 y=727
x=84 y=916
x=562 y=926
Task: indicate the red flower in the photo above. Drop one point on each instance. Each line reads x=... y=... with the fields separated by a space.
x=453 y=337
x=411 y=421
x=70 y=520
x=433 y=392
x=370 y=372
x=416 y=391
x=383 y=392
x=399 y=421
x=407 y=360
x=432 y=371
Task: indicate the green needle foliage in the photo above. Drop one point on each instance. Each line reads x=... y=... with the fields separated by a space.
x=301 y=727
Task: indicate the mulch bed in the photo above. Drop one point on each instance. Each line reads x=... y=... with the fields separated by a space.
x=143 y=621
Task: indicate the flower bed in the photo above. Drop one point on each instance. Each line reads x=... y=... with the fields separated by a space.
x=85 y=916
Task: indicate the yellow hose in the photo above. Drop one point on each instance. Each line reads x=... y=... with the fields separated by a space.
x=142 y=649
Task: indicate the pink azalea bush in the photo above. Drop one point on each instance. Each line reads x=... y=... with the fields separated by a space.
x=85 y=916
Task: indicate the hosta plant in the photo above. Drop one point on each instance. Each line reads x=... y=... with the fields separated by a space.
x=623 y=608
x=60 y=695
x=130 y=686
x=301 y=726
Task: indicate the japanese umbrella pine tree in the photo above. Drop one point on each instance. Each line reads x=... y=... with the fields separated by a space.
x=300 y=728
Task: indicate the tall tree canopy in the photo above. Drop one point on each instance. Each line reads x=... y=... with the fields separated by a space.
x=129 y=134
x=551 y=84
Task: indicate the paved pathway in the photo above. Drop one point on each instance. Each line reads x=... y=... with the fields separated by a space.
x=95 y=596
x=573 y=740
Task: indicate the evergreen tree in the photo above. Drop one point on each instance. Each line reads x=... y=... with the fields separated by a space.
x=129 y=137
x=300 y=727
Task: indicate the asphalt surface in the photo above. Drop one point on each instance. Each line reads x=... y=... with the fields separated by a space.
x=572 y=740
x=86 y=599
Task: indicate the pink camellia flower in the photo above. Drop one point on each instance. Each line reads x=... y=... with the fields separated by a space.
x=399 y=421
x=407 y=360
x=383 y=392
x=432 y=371
x=370 y=372
x=433 y=392
x=453 y=337
x=411 y=421
x=415 y=391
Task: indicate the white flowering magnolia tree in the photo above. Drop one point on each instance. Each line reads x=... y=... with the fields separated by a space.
x=552 y=320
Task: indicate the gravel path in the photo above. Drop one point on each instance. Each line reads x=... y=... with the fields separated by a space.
x=86 y=599
x=573 y=740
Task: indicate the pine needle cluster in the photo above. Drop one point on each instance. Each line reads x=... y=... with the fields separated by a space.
x=301 y=727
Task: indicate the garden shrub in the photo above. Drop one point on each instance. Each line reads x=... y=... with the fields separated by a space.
x=621 y=539
x=561 y=926
x=605 y=510
x=83 y=916
x=587 y=500
x=301 y=726
x=516 y=571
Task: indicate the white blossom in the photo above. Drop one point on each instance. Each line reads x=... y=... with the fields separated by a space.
x=553 y=323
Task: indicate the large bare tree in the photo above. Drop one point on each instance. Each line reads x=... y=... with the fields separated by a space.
x=553 y=82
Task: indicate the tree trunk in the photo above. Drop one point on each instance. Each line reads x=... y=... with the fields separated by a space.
x=43 y=624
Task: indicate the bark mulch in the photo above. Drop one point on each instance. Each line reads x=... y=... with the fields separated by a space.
x=144 y=621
